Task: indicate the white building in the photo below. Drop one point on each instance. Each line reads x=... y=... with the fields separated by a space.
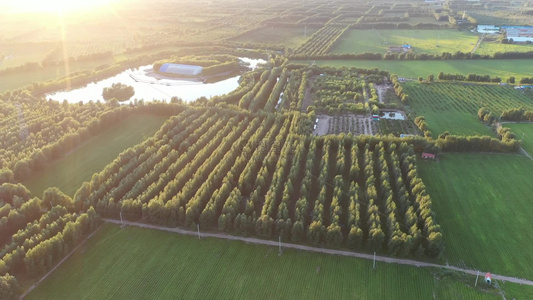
x=520 y=34
x=488 y=29
x=179 y=69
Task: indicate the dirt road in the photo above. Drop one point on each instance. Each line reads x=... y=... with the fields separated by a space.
x=385 y=259
x=31 y=288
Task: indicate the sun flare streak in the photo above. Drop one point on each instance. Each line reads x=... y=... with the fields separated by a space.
x=57 y=5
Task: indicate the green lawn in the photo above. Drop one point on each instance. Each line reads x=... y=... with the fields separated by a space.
x=23 y=79
x=483 y=203
x=453 y=107
x=290 y=37
x=135 y=263
x=503 y=68
x=493 y=47
x=70 y=172
x=524 y=132
x=422 y=41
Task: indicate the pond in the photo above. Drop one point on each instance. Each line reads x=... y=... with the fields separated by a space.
x=150 y=87
x=393 y=115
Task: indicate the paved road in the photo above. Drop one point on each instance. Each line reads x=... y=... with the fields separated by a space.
x=385 y=259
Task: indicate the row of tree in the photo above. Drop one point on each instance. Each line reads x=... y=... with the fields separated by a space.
x=410 y=56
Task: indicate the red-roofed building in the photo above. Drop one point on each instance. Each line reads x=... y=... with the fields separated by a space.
x=428 y=155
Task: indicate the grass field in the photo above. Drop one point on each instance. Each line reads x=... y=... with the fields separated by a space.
x=493 y=47
x=453 y=107
x=70 y=172
x=135 y=263
x=290 y=37
x=422 y=41
x=524 y=132
x=503 y=68
x=483 y=204
x=22 y=79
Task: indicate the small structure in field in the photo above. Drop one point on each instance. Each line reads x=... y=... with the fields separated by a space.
x=399 y=49
x=426 y=155
x=488 y=278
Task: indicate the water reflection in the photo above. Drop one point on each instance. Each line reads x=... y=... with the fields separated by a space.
x=151 y=86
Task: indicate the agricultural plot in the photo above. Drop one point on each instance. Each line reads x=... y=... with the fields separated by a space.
x=493 y=47
x=321 y=41
x=421 y=41
x=354 y=124
x=398 y=127
x=484 y=206
x=70 y=172
x=453 y=106
x=503 y=68
x=341 y=92
x=288 y=37
x=133 y=263
x=524 y=132
x=223 y=170
x=25 y=78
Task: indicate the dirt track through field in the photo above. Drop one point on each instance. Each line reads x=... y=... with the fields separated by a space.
x=31 y=288
x=378 y=258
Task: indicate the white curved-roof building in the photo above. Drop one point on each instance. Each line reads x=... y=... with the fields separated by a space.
x=179 y=69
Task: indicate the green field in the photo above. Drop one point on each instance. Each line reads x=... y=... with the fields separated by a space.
x=289 y=37
x=483 y=205
x=453 y=107
x=422 y=41
x=493 y=47
x=524 y=132
x=23 y=79
x=135 y=263
x=70 y=172
x=503 y=68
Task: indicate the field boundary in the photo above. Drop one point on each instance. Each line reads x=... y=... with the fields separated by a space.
x=33 y=286
x=378 y=258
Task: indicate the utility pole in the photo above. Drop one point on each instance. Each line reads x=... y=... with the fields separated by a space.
x=374 y=259
x=477 y=278
x=121 y=220
x=198 y=227
x=279 y=245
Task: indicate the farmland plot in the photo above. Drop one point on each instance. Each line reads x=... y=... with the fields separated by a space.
x=453 y=106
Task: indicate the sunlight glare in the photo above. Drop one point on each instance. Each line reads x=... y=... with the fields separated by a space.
x=56 y=5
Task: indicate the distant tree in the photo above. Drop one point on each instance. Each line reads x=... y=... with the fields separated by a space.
x=119 y=91
x=6 y=176
x=21 y=170
x=431 y=78
x=9 y=287
x=53 y=196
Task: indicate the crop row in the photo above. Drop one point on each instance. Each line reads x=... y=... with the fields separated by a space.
x=321 y=41
x=445 y=97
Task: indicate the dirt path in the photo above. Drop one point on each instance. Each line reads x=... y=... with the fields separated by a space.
x=307 y=98
x=380 y=89
x=31 y=288
x=323 y=250
x=523 y=151
x=478 y=43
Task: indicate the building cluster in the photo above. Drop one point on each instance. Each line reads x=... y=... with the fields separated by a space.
x=513 y=34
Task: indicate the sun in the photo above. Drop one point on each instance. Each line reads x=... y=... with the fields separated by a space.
x=57 y=5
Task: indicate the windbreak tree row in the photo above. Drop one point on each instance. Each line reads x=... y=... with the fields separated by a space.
x=257 y=175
